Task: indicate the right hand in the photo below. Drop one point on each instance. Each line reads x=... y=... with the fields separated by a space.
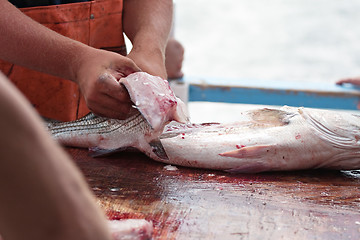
x=353 y=80
x=98 y=77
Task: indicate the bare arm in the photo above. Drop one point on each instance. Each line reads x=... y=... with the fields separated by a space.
x=28 y=43
x=147 y=24
x=43 y=194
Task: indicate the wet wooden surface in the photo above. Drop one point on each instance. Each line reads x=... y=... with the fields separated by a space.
x=204 y=204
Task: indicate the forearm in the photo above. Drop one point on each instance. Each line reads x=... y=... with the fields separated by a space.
x=147 y=24
x=43 y=194
x=28 y=43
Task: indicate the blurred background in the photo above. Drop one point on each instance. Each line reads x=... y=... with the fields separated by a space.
x=287 y=40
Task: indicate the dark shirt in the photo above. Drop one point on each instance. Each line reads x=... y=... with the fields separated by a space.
x=35 y=3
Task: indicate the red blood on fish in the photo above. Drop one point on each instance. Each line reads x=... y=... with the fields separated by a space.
x=116 y=215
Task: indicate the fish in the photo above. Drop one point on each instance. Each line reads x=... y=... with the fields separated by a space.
x=261 y=140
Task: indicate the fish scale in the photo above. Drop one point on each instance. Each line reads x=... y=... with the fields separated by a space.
x=92 y=124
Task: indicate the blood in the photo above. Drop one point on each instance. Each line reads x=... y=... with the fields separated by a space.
x=115 y=215
x=209 y=124
x=240 y=146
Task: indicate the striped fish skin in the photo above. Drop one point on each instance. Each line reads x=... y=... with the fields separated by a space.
x=104 y=133
x=104 y=136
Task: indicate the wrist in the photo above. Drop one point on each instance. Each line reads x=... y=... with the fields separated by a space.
x=150 y=58
x=152 y=51
x=82 y=55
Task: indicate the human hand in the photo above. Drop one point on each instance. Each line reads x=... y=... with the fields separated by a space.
x=98 y=77
x=174 y=56
x=353 y=80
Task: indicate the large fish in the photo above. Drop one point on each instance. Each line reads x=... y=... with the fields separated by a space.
x=261 y=140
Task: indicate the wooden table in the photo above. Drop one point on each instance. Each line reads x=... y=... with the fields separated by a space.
x=204 y=204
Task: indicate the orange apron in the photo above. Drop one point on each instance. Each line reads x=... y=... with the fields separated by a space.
x=98 y=24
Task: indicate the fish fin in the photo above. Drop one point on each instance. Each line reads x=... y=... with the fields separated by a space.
x=248 y=152
x=100 y=152
x=158 y=149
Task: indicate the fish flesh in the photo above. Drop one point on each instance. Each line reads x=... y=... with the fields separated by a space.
x=261 y=140
x=135 y=229
x=155 y=100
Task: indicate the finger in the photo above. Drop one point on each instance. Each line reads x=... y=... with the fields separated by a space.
x=342 y=81
x=109 y=86
x=119 y=92
x=105 y=105
x=121 y=111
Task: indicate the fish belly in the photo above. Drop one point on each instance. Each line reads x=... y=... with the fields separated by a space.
x=266 y=140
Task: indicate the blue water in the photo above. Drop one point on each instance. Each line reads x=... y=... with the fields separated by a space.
x=289 y=40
